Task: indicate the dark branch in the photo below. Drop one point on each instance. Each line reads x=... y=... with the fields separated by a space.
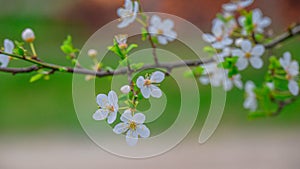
x=283 y=37
x=168 y=66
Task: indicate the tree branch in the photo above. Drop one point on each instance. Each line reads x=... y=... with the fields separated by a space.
x=102 y=73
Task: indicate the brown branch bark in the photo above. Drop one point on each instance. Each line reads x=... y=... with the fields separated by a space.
x=168 y=66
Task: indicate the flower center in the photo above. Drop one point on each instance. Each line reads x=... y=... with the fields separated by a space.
x=132 y=125
x=147 y=82
x=160 y=32
x=110 y=108
x=248 y=55
x=288 y=77
x=219 y=39
x=123 y=45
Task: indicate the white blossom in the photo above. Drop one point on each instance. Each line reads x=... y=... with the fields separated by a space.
x=122 y=40
x=213 y=75
x=237 y=5
x=229 y=26
x=92 y=53
x=258 y=20
x=128 y=14
x=219 y=37
x=148 y=87
x=248 y=54
x=125 y=89
x=250 y=101
x=229 y=83
x=108 y=107
x=163 y=29
x=8 y=48
x=226 y=52
x=292 y=70
x=28 y=35
x=133 y=126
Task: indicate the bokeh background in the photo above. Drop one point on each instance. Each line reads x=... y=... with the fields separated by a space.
x=39 y=127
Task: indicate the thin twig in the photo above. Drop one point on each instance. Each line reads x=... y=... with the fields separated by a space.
x=167 y=66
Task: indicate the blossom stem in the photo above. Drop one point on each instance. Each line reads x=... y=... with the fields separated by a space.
x=33 y=50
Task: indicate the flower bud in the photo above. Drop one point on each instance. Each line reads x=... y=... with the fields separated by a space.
x=92 y=53
x=28 y=35
x=238 y=42
x=125 y=89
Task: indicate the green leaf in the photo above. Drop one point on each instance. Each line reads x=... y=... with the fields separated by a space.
x=210 y=50
x=36 y=77
x=154 y=39
x=132 y=46
x=144 y=34
x=68 y=48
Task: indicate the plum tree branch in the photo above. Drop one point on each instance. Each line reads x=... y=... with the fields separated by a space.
x=38 y=64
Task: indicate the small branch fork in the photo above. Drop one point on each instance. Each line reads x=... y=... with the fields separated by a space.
x=38 y=64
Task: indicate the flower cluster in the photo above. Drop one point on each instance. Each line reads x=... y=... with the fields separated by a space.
x=236 y=41
x=132 y=122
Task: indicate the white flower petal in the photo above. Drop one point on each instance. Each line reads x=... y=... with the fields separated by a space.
x=100 y=114
x=126 y=116
x=131 y=138
x=113 y=99
x=250 y=103
x=242 y=20
x=249 y=86
x=121 y=128
x=102 y=100
x=112 y=116
x=143 y=131
x=8 y=46
x=293 y=68
x=4 y=60
x=256 y=62
x=258 y=50
x=246 y=46
x=256 y=16
x=217 y=30
x=238 y=52
x=265 y=22
x=208 y=38
x=242 y=63
x=230 y=7
x=245 y=3
x=218 y=45
x=227 y=84
x=155 y=91
x=157 y=77
x=162 y=40
x=139 y=118
x=155 y=20
x=140 y=82
x=293 y=87
x=237 y=81
x=167 y=24
x=227 y=41
x=204 y=80
x=146 y=92
x=128 y=5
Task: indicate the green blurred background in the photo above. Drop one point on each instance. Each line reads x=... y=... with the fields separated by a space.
x=47 y=107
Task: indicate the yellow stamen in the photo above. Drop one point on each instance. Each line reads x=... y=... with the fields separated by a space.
x=132 y=125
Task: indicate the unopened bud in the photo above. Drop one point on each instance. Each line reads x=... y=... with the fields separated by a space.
x=92 y=53
x=125 y=89
x=28 y=35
